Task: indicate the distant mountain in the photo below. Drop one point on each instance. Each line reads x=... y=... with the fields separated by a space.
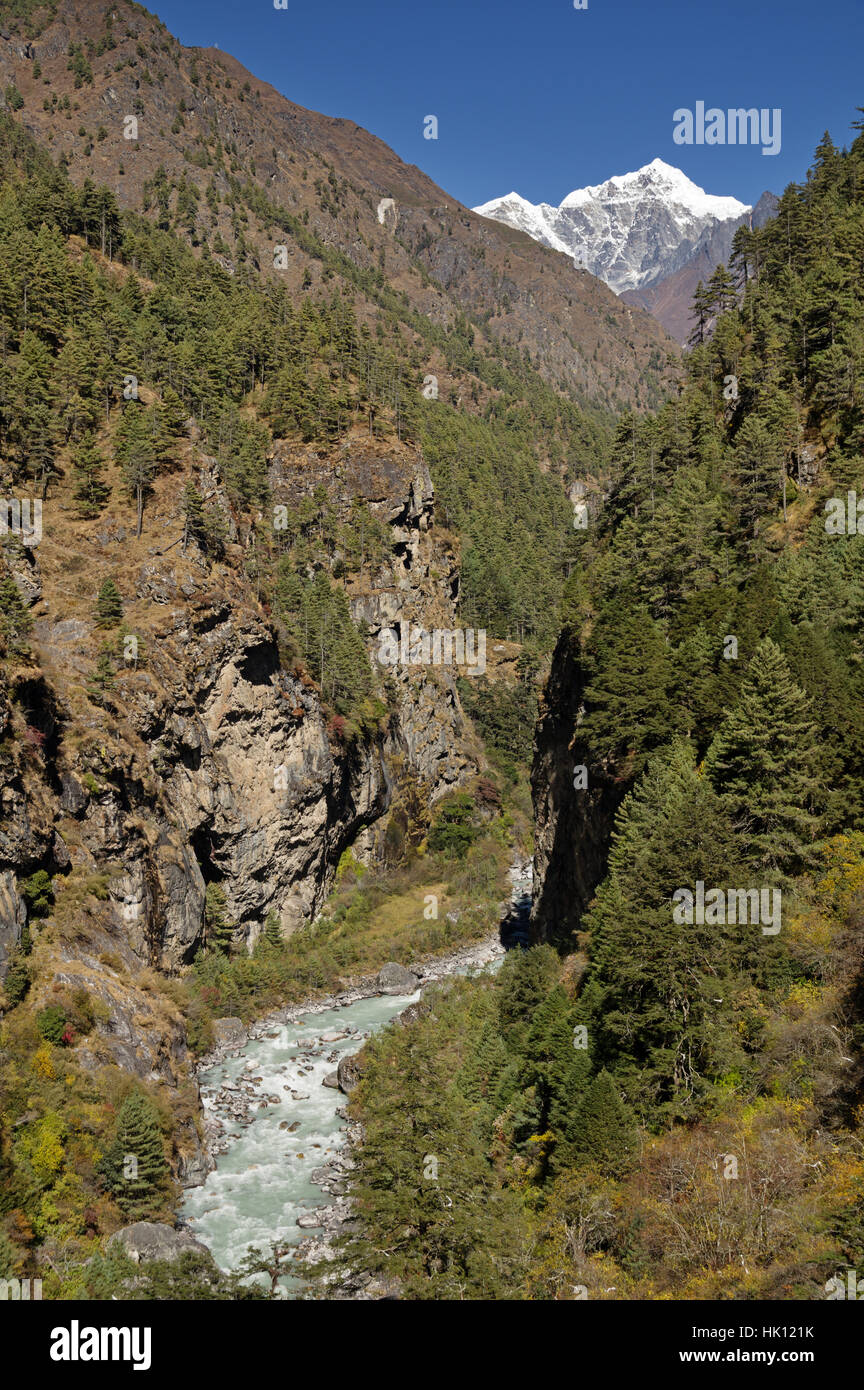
x=638 y=232
x=628 y=231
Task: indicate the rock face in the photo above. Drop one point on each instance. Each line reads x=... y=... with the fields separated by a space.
x=395 y=979
x=151 y=1240
x=572 y=828
x=416 y=584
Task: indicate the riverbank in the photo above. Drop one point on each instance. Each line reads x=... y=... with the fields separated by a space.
x=277 y=1125
x=277 y=1137
x=235 y=1034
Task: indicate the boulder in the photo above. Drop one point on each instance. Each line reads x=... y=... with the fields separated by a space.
x=229 y=1030
x=348 y=1073
x=309 y=1221
x=152 y=1240
x=332 y=1080
x=395 y=979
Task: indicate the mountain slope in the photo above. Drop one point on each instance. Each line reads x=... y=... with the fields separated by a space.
x=670 y=298
x=219 y=154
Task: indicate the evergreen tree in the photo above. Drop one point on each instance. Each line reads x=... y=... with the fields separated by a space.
x=134 y=1167
x=102 y=678
x=762 y=761
x=218 y=928
x=604 y=1129
x=659 y=997
x=91 y=492
x=525 y=979
x=272 y=933
x=481 y=1075
x=17 y=980
x=109 y=605
x=556 y=1072
x=430 y=1211
x=15 y=620
x=627 y=697
x=194 y=521
x=137 y=452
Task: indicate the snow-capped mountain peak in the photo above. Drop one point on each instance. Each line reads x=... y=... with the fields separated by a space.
x=631 y=230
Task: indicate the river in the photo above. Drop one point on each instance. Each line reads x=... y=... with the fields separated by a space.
x=285 y=1123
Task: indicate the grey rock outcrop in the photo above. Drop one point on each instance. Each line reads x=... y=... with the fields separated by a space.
x=152 y=1240
x=395 y=979
x=349 y=1072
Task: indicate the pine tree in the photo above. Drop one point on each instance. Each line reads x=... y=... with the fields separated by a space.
x=431 y=1213
x=721 y=291
x=524 y=981
x=109 y=605
x=194 y=523
x=101 y=678
x=91 y=492
x=272 y=933
x=218 y=928
x=700 y=314
x=604 y=1129
x=137 y=451
x=134 y=1166
x=17 y=980
x=762 y=761
x=758 y=459
x=481 y=1074
x=15 y=620
x=650 y=995
x=557 y=1072
x=628 y=709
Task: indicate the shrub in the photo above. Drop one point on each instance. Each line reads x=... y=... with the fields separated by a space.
x=452 y=831
x=38 y=893
x=51 y=1023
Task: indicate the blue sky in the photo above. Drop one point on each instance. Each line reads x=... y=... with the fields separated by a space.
x=542 y=98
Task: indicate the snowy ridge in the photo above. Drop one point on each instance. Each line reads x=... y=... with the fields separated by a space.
x=631 y=230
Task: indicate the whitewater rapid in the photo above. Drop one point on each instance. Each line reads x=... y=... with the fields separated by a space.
x=262 y=1182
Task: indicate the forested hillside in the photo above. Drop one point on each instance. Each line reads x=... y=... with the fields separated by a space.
x=249 y=362
x=651 y=1105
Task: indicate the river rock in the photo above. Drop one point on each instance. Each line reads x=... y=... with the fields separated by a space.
x=153 y=1240
x=309 y=1221
x=395 y=979
x=332 y=1080
x=348 y=1073
x=228 y=1030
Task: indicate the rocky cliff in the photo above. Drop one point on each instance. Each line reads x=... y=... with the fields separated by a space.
x=206 y=761
x=575 y=800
